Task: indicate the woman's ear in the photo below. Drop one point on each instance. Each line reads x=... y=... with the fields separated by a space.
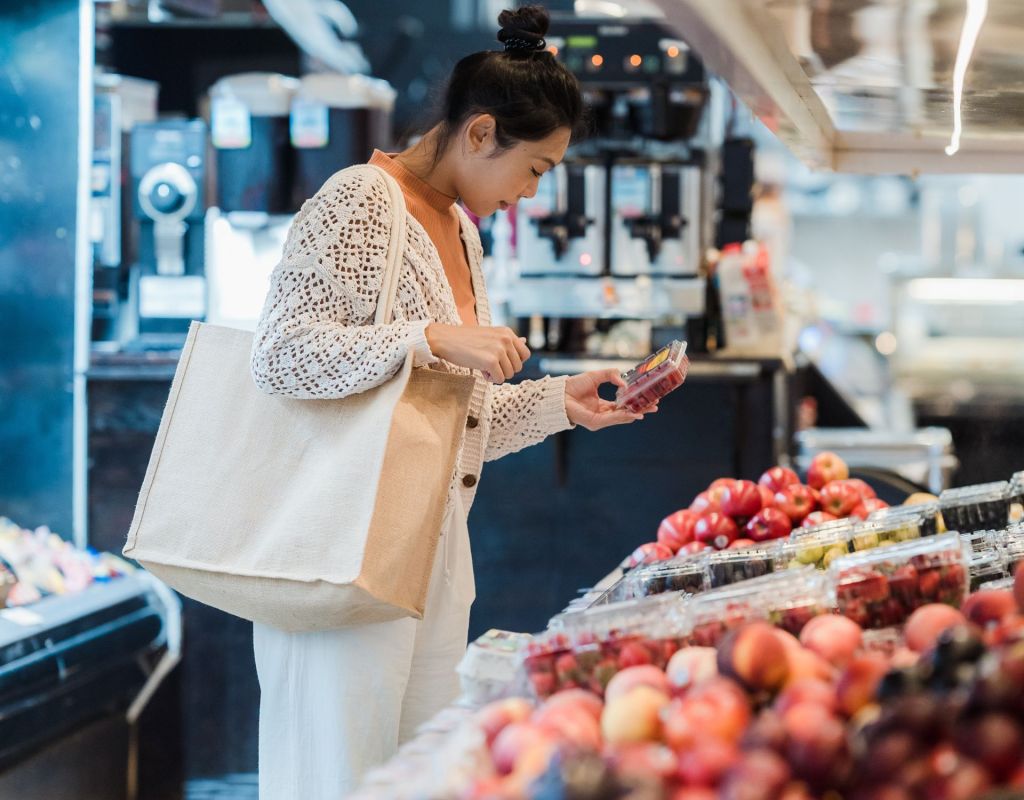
x=480 y=131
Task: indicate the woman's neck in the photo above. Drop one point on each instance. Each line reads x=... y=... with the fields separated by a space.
x=419 y=160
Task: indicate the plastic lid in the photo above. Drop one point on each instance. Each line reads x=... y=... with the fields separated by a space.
x=832 y=527
x=980 y=493
x=630 y=616
x=903 y=551
x=264 y=94
x=346 y=91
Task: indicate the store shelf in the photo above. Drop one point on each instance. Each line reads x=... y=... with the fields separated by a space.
x=866 y=87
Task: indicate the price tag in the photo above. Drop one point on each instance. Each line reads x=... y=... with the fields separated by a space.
x=309 y=124
x=231 y=125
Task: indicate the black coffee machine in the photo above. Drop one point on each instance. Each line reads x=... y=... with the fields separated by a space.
x=168 y=165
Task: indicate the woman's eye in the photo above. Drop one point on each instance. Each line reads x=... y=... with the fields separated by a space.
x=535 y=173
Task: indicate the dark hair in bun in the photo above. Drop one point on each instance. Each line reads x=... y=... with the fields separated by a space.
x=524 y=87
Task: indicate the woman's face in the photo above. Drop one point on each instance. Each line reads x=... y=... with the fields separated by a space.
x=488 y=180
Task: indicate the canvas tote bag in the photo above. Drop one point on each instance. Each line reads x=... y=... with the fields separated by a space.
x=300 y=514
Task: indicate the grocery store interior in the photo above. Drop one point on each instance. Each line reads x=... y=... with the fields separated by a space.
x=796 y=580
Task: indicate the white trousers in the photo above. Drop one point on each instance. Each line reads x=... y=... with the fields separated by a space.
x=335 y=704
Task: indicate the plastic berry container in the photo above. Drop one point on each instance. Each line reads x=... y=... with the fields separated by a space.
x=681 y=575
x=985 y=565
x=876 y=533
x=976 y=508
x=713 y=614
x=883 y=586
x=794 y=597
x=1017 y=496
x=585 y=649
x=925 y=515
x=654 y=377
x=726 y=567
x=1011 y=543
x=817 y=547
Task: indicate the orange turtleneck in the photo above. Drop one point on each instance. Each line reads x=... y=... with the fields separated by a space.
x=436 y=212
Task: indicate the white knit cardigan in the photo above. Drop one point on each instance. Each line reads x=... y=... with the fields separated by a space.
x=315 y=337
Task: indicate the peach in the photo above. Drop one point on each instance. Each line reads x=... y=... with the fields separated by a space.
x=570 y=723
x=859 y=682
x=642 y=760
x=693 y=793
x=816 y=744
x=758 y=775
x=995 y=740
x=806 y=690
x=804 y=664
x=754 y=656
x=989 y=606
x=691 y=666
x=926 y=624
x=581 y=698
x=707 y=762
x=634 y=716
x=720 y=707
x=641 y=675
x=789 y=641
x=512 y=743
x=493 y=717
x=833 y=637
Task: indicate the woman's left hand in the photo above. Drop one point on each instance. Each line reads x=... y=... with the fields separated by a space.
x=584 y=407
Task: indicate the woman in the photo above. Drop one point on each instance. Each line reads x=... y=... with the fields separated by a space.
x=339 y=702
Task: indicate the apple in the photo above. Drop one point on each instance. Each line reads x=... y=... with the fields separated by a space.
x=705 y=504
x=739 y=544
x=839 y=498
x=716 y=530
x=778 y=478
x=692 y=548
x=647 y=553
x=768 y=523
x=676 y=529
x=767 y=496
x=826 y=467
x=862 y=487
x=742 y=499
x=818 y=518
x=796 y=501
x=868 y=506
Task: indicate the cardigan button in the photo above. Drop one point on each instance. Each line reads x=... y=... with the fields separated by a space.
x=469 y=481
x=472 y=422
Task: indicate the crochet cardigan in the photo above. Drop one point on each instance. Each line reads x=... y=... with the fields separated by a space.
x=315 y=337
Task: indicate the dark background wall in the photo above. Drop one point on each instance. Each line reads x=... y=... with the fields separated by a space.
x=39 y=51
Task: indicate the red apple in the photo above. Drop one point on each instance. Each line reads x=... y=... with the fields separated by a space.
x=742 y=499
x=767 y=496
x=691 y=548
x=778 y=478
x=868 y=506
x=825 y=468
x=676 y=529
x=839 y=498
x=768 y=523
x=817 y=518
x=647 y=554
x=863 y=487
x=705 y=504
x=796 y=501
x=719 y=484
x=716 y=530
x=741 y=543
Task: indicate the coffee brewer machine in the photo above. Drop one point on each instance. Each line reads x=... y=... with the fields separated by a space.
x=119 y=103
x=617 y=231
x=277 y=140
x=168 y=168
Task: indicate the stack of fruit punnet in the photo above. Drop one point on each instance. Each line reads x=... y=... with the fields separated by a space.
x=875 y=533
x=977 y=508
x=1012 y=544
x=585 y=649
x=818 y=546
x=925 y=515
x=1017 y=496
x=734 y=566
x=653 y=378
x=687 y=574
x=883 y=586
x=986 y=564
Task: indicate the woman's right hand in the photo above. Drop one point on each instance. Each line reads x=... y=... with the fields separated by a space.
x=497 y=352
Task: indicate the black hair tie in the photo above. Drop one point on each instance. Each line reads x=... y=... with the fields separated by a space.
x=521 y=40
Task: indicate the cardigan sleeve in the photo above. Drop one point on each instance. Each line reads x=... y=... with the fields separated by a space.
x=314 y=338
x=525 y=413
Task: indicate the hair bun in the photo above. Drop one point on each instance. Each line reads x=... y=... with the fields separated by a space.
x=524 y=28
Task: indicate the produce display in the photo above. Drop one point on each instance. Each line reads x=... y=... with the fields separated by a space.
x=817 y=547
x=1013 y=546
x=977 y=508
x=39 y=563
x=765 y=715
x=654 y=377
x=891 y=530
x=884 y=586
x=732 y=566
x=925 y=515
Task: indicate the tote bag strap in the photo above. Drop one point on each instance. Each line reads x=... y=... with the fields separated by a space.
x=396 y=251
